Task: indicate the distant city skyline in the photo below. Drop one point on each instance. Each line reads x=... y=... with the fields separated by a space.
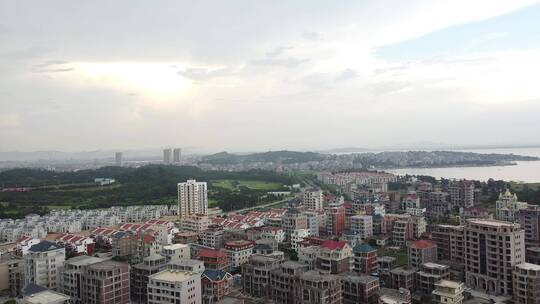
x=305 y=75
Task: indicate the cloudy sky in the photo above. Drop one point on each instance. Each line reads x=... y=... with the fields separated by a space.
x=259 y=75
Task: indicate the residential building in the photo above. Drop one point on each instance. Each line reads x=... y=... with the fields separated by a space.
x=239 y=251
x=46 y=297
x=43 y=263
x=365 y=259
x=167 y=155
x=532 y=255
x=169 y=286
x=118 y=159
x=403 y=277
x=105 y=282
x=420 y=252
x=492 y=249
x=196 y=223
x=214 y=259
x=314 y=224
x=359 y=289
x=177 y=155
x=313 y=199
x=308 y=256
x=175 y=252
x=215 y=284
x=298 y=236
x=314 y=287
x=395 y=296
x=526 y=283
x=212 y=237
x=529 y=220
x=11 y=274
x=429 y=274
x=437 y=204
x=140 y=274
x=448 y=292
x=335 y=219
x=363 y=225
x=284 y=281
x=461 y=194
x=186 y=265
x=334 y=257
x=256 y=275
x=293 y=220
x=507 y=206
x=72 y=276
x=450 y=241
x=192 y=198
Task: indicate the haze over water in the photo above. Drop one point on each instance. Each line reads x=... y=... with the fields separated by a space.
x=524 y=171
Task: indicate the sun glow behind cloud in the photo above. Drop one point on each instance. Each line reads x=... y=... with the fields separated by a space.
x=155 y=81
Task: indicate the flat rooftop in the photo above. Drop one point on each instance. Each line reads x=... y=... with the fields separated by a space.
x=175 y=246
x=46 y=296
x=448 y=284
x=172 y=276
x=529 y=266
x=435 y=265
x=82 y=260
x=489 y=222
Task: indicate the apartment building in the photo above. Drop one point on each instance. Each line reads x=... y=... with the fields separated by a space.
x=239 y=251
x=450 y=241
x=420 y=252
x=212 y=237
x=293 y=220
x=314 y=287
x=403 y=277
x=492 y=249
x=173 y=286
x=72 y=276
x=395 y=296
x=362 y=225
x=334 y=257
x=215 y=284
x=256 y=275
x=448 y=292
x=186 y=265
x=192 y=198
x=11 y=274
x=529 y=220
x=461 y=194
x=429 y=274
x=284 y=281
x=46 y=297
x=43 y=263
x=214 y=259
x=364 y=259
x=175 y=252
x=196 y=223
x=105 y=282
x=526 y=283
x=141 y=272
x=359 y=289
x=313 y=199
x=335 y=219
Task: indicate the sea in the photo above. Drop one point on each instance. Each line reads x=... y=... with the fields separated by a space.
x=523 y=171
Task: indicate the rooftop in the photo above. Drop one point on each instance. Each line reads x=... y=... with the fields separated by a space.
x=422 y=244
x=172 y=275
x=529 y=266
x=434 y=265
x=490 y=222
x=46 y=296
x=448 y=284
x=363 y=248
x=82 y=260
x=44 y=246
x=355 y=278
x=175 y=246
x=333 y=245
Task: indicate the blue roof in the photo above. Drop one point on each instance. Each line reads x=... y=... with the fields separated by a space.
x=31 y=289
x=214 y=275
x=363 y=248
x=44 y=246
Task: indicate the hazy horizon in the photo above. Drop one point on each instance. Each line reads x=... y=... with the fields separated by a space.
x=256 y=76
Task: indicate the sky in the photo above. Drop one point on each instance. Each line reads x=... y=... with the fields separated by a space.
x=267 y=75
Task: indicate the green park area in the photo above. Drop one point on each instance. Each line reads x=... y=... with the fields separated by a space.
x=251 y=184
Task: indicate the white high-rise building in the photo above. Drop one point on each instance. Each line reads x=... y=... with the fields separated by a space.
x=177 y=155
x=167 y=153
x=313 y=199
x=173 y=286
x=192 y=198
x=43 y=264
x=118 y=159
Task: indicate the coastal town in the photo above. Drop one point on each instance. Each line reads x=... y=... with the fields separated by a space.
x=376 y=246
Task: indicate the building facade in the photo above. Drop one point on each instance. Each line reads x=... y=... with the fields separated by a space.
x=192 y=198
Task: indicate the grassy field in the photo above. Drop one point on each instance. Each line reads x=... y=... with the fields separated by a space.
x=59 y=207
x=251 y=184
x=212 y=202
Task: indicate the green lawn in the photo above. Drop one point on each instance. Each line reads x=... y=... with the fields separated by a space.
x=251 y=184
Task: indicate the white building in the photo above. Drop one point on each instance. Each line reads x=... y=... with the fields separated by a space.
x=297 y=236
x=192 y=198
x=174 y=286
x=507 y=206
x=175 y=252
x=43 y=263
x=313 y=199
x=362 y=225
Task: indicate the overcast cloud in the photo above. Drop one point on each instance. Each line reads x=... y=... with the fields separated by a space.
x=259 y=75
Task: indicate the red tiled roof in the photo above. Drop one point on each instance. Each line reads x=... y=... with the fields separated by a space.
x=333 y=245
x=211 y=253
x=422 y=244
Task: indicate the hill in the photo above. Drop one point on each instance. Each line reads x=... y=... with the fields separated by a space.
x=285 y=157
